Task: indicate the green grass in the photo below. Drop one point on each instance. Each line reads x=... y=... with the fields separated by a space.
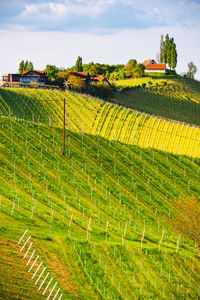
x=117 y=187
x=177 y=99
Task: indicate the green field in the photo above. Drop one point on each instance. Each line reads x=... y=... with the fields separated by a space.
x=176 y=99
x=96 y=117
x=100 y=217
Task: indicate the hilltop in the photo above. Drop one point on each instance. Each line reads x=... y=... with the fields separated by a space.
x=101 y=216
x=173 y=98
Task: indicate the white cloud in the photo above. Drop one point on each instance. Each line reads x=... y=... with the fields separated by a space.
x=62 y=49
x=89 y=8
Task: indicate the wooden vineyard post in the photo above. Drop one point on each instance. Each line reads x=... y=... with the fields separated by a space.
x=63 y=153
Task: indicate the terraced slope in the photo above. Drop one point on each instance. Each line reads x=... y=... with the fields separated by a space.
x=177 y=99
x=97 y=215
x=92 y=116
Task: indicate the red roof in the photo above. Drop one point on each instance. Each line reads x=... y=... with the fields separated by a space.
x=41 y=72
x=85 y=74
x=156 y=67
x=98 y=78
x=147 y=62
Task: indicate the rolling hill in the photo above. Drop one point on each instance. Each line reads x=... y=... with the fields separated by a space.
x=176 y=99
x=99 y=219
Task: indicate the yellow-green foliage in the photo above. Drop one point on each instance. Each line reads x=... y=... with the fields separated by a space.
x=86 y=114
x=100 y=215
x=139 y=81
x=181 y=89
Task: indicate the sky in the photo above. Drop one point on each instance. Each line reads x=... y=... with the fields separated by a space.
x=104 y=31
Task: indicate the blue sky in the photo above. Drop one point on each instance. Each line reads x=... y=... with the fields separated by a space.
x=107 y=31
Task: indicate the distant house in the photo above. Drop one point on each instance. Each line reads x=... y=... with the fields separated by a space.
x=99 y=79
x=11 y=77
x=85 y=76
x=38 y=77
x=151 y=66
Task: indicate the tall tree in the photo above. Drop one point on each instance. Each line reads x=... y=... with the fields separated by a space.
x=192 y=69
x=173 y=56
x=30 y=66
x=165 y=48
x=79 y=65
x=26 y=65
x=168 y=51
x=21 y=67
x=161 y=49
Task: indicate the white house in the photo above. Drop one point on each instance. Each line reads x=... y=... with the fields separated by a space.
x=151 y=66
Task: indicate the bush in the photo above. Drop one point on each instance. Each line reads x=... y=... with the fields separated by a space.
x=101 y=90
x=75 y=83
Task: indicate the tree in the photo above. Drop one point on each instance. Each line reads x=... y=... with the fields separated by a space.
x=30 y=66
x=102 y=90
x=26 y=65
x=96 y=70
x=165 y=48
x=173 y=56
x=192 y=69
x=168 y=52
x=138 y=71
x=160 y=60
x=188 y=220
x=75 y=83
x=130 y=67
x=79 y=65
x=21 y=67
x=51 y=71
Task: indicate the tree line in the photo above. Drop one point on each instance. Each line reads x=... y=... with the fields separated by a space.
x=25 y=66
x=132 y=69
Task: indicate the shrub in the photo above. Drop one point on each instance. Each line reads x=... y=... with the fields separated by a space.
x=101 y=90
x=75 y=83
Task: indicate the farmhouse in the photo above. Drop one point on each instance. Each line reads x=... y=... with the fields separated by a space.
x=38 y=77
x=151 y=66
x=11 y=77
x=85 y=76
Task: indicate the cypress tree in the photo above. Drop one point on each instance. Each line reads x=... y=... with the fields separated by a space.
x=169 y=52
x=26 y=65
x=79 y=65
x=21 y=67
x=165 y=48
x=173 y=56
x=30 y=66
x=161 y=48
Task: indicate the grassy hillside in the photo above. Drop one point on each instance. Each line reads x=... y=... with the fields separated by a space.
x=93 y=116
x=100 y=217
x=115 y=186
x=177 y=99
